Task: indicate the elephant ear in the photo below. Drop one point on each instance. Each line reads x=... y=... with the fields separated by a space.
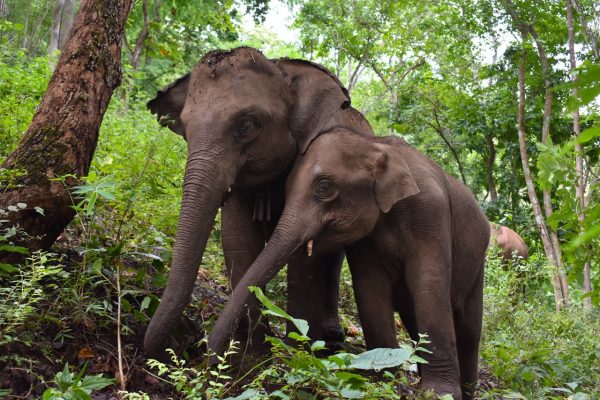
x=168 y=103
x=317 y=95
x=393 y=179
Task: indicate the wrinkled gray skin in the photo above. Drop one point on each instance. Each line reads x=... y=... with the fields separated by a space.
x=415 y=239
x=509 y=241
x=244 y=117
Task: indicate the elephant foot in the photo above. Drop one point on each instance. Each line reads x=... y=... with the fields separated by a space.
x=333 y=332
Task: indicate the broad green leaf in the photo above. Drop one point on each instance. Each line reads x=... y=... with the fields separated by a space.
x=378 y=359
x=318 y=345
x=246 y=395
x=95 y=382
x=352 y=394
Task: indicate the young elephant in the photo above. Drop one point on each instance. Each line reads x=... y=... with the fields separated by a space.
x=508 y=241
x=415 y=239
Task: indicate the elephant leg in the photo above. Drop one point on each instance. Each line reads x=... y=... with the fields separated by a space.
x=404 y=305
x=313 y=293
x=243 y=240
x=468 y=323
x=428 y=280
x=373 y=294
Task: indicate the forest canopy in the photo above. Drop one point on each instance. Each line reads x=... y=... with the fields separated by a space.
x=502 y=94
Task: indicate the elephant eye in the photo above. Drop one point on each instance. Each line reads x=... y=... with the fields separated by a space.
x=244 y=127
x=326 y=190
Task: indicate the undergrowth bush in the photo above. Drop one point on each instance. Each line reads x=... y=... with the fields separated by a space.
x=527 y=345
x=296 y=371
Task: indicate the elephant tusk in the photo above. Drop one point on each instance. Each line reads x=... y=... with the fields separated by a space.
x=309 y=247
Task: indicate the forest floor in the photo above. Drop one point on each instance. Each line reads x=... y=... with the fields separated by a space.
x=90 y=343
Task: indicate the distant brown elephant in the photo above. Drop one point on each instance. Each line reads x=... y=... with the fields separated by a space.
x=509 y=242
x=415 y=239
x=244 y=118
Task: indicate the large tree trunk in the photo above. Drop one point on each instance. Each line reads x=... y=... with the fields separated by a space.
x=580 y=184
x=62 y=136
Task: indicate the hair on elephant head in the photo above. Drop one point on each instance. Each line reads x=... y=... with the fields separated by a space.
x=244 y=117
x=415 y=239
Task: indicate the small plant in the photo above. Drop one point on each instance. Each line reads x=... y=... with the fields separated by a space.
x=75 y=386
x=28 y=286
x=195 y=383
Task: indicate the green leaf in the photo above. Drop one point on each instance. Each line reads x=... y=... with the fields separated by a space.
x=351 y=378
x=272 y=308
x=14 y=249
x=95 y=382
x=8 y=268
x=145 y=303
x=301 y=325
x=588 y=134
x=296 y=336
x=584 y=237
x=246 y=395
x=318 y=345
x=352 y=394
x=64 y=379
x=378 y=359
x=79 y=394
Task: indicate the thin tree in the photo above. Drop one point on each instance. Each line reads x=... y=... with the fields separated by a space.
x=580 y=184
x=552 y=250
x=57 y=148
x=535 y=203
x=592 y=36
x=62 y=21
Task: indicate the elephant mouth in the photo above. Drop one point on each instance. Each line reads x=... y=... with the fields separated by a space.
x=226 y=195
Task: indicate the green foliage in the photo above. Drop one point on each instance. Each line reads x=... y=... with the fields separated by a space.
x=557 y=169
x=23 y=81
x=529 y=347
x=31 y=284
x=209 y=382
x=71 y=386
x=299 y=372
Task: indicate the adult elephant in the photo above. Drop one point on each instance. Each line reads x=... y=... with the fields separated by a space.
x=244 y=118
x=509 y=242
x=415 y=239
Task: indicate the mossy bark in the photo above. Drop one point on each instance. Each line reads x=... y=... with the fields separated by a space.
x=62 y=137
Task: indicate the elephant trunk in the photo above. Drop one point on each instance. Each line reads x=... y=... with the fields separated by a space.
x=286 y=238
x=203 y=189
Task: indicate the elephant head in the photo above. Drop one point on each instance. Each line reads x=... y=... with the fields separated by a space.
x=243 y=117
x=336 y=194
